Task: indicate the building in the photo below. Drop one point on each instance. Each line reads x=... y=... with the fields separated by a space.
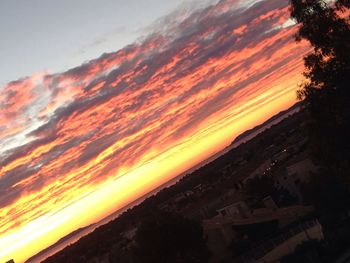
x=262 y=169
x=281 y=245
x=237 y=220
x=239 y=208
x=294 y=175
x=280 y=156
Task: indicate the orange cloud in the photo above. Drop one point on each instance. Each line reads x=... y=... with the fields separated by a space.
x=133 y=119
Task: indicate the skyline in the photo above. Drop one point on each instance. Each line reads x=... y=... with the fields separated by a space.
x=131 y=120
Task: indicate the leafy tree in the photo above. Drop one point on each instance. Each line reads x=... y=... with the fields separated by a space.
x=307 y=252
x=165 y=237
x=326 y=92
x=260 y=187
x=239 y=247
x=328 y=195
x=285 y=198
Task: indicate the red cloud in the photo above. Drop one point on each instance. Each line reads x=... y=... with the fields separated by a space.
x=127 y=107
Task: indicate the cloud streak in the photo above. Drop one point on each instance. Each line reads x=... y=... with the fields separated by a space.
x=64 y=135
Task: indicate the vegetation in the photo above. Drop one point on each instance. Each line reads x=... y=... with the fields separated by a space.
x=307 y=252
x=326 y=97
x=260 y=187
x=329 y=195
x=325 y=93
x=263 y=186
x=169 y=238
x=331 y=249
x=240 y=247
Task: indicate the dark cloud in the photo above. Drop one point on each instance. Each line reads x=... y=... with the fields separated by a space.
x=137 y=103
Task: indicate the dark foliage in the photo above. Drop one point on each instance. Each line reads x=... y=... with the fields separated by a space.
x=331 y=249
x=240 y=247
x=328 y=195
x=326 y=91
x=260 y=187
x=165 y=237
x=307 y=252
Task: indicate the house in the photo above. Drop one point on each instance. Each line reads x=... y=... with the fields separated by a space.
x=262 y=169
x=178 y=198
x=240 y=161
x=237 y=220
x=209 y=208
x=227 y=171
x=129 y=234
x=294 y=175
x=238 y=185
x=302 y=169
x=100 y=259
x=189 y=193
x=269 y=203
x=281 y=245
x=239 y=208
x=281 y=156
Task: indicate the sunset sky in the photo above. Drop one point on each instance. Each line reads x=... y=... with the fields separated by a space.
x=173 y=83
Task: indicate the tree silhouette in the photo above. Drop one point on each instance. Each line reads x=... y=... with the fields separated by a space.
x=328 y=195
x=263 y=186
x=307 y=252
x=168 y=238
x=260 y=187
x=326 y=92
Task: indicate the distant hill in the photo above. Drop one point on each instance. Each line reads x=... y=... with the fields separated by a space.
x=266 y=123
x=60 y=241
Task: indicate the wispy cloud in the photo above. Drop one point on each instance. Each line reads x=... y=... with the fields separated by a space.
x=64 y=134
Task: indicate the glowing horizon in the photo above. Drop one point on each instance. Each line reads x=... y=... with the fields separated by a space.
x=101 y=135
